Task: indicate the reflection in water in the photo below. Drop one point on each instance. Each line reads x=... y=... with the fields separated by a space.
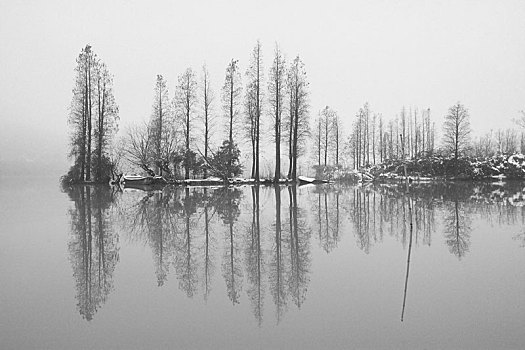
x=457 y=229
x=209 y=245
x=328 y=219
x=411 y=223
x=229 y=212
x=277 y=262
x=254 y=259
x=267 y=250
x=93 y=247
x=298 y=275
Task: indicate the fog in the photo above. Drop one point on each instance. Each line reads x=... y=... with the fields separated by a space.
x=389 y=53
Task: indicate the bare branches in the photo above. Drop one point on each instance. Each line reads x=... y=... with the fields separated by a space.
x=456 y=129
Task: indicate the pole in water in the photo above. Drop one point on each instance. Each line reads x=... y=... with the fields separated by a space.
x=408 y=259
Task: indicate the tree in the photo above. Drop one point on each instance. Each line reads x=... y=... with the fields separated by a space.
x=207 y=99
x=161 y=127
x=231 y=94
x=456 y=129
x=185 y=100
x=106 y=121
x=253 y=106
x=225 y=162
x=326 y=123
x=138 y=145
x=299 y=113
x=93 y=119
x=276 y=89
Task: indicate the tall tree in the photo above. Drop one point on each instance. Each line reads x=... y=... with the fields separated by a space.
x=276 y=89
x=299 y=112
x=160 y=126
x=254 y=96
x=337 y=130
x=106 y=121
x=186 y=99
x=456 y=129
x=231 y=95
x=207 y=100
x=326 y=129
x=93 y=119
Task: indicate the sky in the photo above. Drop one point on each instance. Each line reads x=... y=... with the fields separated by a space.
x=419 y=54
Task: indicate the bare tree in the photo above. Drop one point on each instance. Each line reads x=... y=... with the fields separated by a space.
x=231 y=95
x=186 y=99
x=456 y=129
x=276 y=89
x=299 y=112
x=254 y=97
x=137 y=148
x=106 y=121
x=160 y=121
x=337 y=133
x=207 y=100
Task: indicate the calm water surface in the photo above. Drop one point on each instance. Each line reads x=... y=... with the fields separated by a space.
x=293 y=268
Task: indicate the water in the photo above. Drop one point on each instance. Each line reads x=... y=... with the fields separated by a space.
x=437 y=266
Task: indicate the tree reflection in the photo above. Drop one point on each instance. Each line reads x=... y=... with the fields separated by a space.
x=254 y=259
x=361 y=216
x=93 y=247
x=186 y=259
x=328 y=218
x=298 y=275
x=227 y=204
x=208 y=249
x=278 y=262
x=153 y=220
x=457 y=229
x=179 y=224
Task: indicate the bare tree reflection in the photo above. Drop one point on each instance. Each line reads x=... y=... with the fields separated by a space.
x=254 y=260
x=362 y=219
x=153 y=220
x=328 y=218
x=185 y=258
x=208 y=266
x=457 y=229
x=93 y=247
x=298 y=276
x=277 y=262
x=227 y=205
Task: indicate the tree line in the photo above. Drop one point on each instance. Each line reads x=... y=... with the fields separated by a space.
x=177 y=141
x=182 y=137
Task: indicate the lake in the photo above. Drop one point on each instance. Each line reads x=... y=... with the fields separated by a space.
x=434 y=266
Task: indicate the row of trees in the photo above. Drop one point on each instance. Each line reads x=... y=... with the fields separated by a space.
x=181 y=136
x=374 y=140
x=178 y=139
x=93 y=119
x=411 y=134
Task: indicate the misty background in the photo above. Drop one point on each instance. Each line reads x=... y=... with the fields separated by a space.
x=391 y=54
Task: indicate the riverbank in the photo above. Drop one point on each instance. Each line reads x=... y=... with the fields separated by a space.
x=500 y=167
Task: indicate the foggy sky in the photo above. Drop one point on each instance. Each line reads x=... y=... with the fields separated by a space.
x=389 y=53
